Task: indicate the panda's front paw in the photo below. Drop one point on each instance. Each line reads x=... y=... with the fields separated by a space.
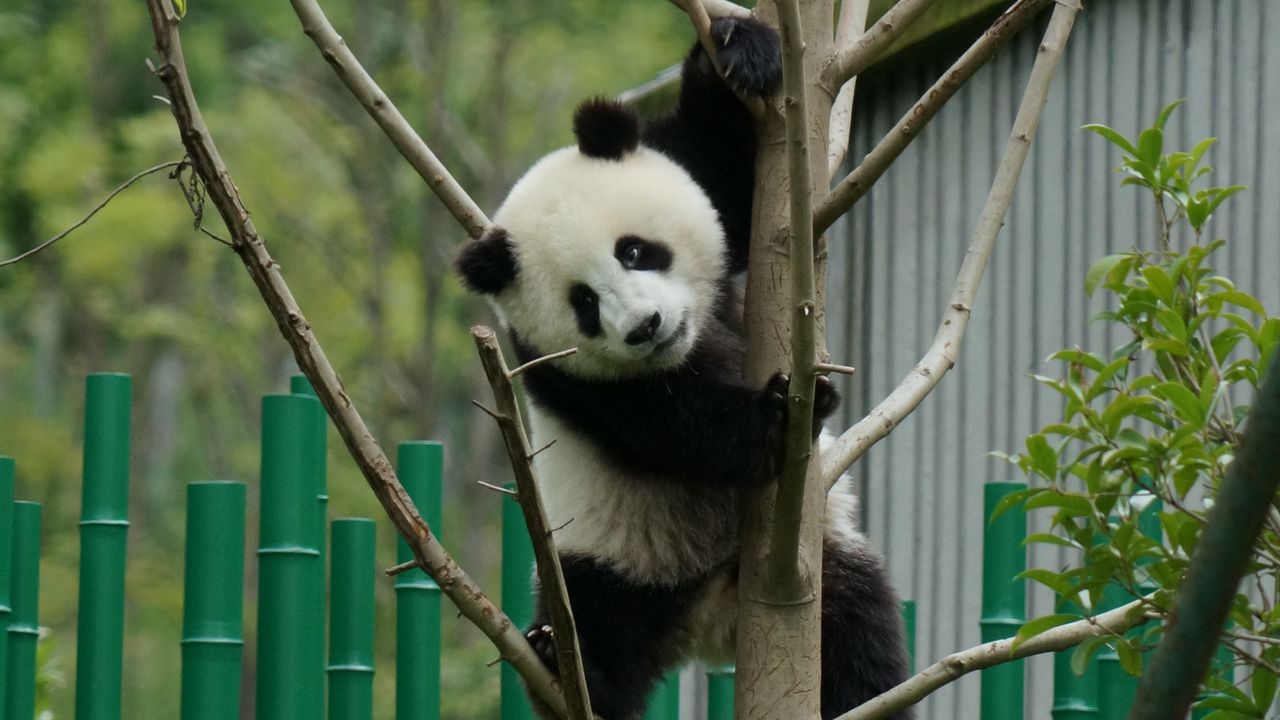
x=543 y=640
x=750 y=55
x=825 y=401
x=773 y=402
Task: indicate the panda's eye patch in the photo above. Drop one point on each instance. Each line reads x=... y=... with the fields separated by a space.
x=636 y=253
x=586 y=306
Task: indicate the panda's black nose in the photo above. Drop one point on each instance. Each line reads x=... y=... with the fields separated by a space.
x=645 y=331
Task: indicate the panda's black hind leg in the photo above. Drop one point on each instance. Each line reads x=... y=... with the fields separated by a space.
x=863 y=649
x=628 y=634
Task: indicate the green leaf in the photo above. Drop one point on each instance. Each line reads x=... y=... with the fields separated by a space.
x=1074 y=504
x=1220 y=196
x=1200 y=149
x=1159 y=282
x=1057 y=582
x=1013 y=499
x=181 y=7
x=1114 y=137
x=1150 y=144
x=1130 y=658
x=1185 y=402
x=1244 y=300
x=1043 y=458
x=1263 y=687
x=1099 y=270
x=1079 y=357
x=1035 y=627
x=1084 y=652
x=1163 y=117
x=1048 y=539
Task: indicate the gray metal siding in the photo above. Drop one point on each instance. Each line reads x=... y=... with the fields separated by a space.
x=893 y=264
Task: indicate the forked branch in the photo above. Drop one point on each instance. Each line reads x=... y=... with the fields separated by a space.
x=550 y=576
x=952 y=667
x=379 y=106
x=851 y=59
x=941 y=356
x=311 y=358
x=860 y=180
x=849 y=28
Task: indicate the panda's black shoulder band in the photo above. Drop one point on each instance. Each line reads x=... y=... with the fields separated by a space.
x=606 y=129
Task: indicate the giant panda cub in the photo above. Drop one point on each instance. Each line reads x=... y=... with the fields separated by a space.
x=626 y=247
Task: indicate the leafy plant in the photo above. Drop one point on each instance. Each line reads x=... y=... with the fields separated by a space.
x=1150 y=427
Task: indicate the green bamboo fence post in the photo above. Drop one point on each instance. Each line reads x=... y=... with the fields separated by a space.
x=720 y=692
x=24 y=625
x=421 y=466
x=104 y=525
x=909 y=632
x=351 y=621
x=1116 y=687
x=517 y=598
x=1003 y=599
x=6 y=566
x=290 y=661
x=213 y=601
x=1075 y=697
x=664 y=701
x=317 y=472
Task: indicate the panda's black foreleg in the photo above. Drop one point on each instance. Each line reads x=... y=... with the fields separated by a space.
x=863 y=646
x=628 y=633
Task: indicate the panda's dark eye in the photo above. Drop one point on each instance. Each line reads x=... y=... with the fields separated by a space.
x=636 y=253
x=586 y=307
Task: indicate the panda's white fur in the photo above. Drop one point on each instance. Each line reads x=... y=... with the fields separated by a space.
x=586 y=203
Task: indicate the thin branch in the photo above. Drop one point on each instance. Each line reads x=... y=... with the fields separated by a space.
x=833 y=368
x=782 y=568
x=717 y=8
x=384 y=112
x=665 y=78
x=952 y=667
x=550 y=576
x=94 y=211
x=942 y=354
x=544 y=359
x=498 y=488
x=851 y=59
x=403 y=567
x=1220 y=559
x=851 y=25
x=313 y=362
x=860 y=180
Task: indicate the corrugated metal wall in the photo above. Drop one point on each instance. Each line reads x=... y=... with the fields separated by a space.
x=892 y=267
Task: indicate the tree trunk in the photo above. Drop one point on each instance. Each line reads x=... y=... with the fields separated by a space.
x=770 y=626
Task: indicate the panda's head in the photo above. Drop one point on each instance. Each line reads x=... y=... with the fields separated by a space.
x=609 y=246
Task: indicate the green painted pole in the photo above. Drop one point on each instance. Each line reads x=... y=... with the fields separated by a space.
x=351 y=621
x=517 y=598
x=290 y=662
x=1075 y=697
x=213 y=601
x=664 y=701
x=6 y=567
x=720 y=692
x=1116 y=687
x=909 y=631
x=1003 y=600
x=317 y=472
x=421 y=466
x=104 y=525
x=24 y=625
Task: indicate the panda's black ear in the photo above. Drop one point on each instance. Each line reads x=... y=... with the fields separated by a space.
x=487 y=264
x=606 y=129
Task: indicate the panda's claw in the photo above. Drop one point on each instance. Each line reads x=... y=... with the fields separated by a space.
x=751 y=54
x=543 y=640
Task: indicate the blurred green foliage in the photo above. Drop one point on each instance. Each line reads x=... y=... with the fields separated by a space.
x=363 y=245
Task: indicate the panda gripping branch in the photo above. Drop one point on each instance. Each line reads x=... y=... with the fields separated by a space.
x=626 y=246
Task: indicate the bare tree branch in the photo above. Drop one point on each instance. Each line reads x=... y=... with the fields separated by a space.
x=782 y=568
x=310 y=356
x=550 y=576
x=942 y=354
x=384 y=112
x=952 y=667
x=717 y=8
x=23 y=256
x=851 y=59
x=860 y=180
x=851 y=25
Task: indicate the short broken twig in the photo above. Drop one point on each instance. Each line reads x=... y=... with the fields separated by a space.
x=544 y=359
